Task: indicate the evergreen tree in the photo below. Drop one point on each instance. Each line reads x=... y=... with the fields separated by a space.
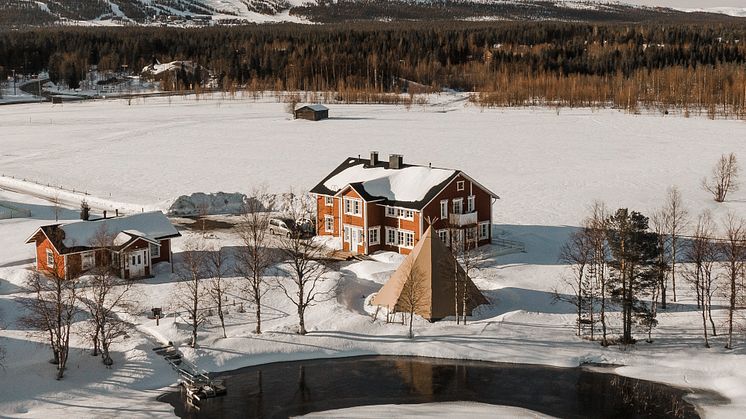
x=634 y=255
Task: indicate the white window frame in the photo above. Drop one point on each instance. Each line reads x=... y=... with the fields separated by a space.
x=471 y=203
x=405 y=214
x=460 y=185
x=484 y=230
x=155 y=251
x=443 y=236
x=389 y=231
x=347 y=234
x=402 y=238
x=353 y=206
x=443 y=209
x=50 y=258
x=328 y=201
x=329 y=223
x=408 y=239
x=374 y=236
x=391 y=212
x=460 y=202
x=87 y=260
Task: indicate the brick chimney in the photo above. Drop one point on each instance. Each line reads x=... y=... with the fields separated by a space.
x=373 y=158
x=396 y=161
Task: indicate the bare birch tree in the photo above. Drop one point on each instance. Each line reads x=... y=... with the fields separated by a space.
x=701 y=254
x=596 y=226
x=577 y=251
x=724 y=178
x=218 y=288
x=104 y=295
x=305 y=261
x=190 y=289
x=465 y=249
x=676 y=220
x=734 y=255
x=413 y=295
x=52 y=310
x=254 y=257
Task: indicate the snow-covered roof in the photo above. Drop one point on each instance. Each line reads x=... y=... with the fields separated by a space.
x=316 y=107
x=152 y=225
x=81 y=235
x=408 y=184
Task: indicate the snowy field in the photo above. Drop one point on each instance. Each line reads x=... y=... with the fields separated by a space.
x=546 y=167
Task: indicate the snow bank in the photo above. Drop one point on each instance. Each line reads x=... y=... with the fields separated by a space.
x=215 y=203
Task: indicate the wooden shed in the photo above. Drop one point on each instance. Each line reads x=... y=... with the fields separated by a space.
x=312 y=112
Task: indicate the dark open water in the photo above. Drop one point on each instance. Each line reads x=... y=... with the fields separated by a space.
x=295 y=388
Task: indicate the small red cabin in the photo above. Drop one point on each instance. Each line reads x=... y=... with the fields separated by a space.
x=374 y=205
x=131 y=245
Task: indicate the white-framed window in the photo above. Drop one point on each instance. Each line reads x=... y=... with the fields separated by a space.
x=390 y=236
x=87 y=259
x=401 y=238
x=470 y=203
x=405 y=214
x=353 y=206
x=484 y=230
x=391 y=212
x=347 y=234
x=458 y=205
x=408 y=239
x=50 y=258
x=328 y=201
x=155 y=251
x=374 y=235
x=329 y=223
x=460 y=185
x=443 y=236
x=444 y=209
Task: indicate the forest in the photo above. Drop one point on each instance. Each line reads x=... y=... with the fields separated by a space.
x=671 y=67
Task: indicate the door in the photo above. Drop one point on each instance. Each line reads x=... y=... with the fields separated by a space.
x=136 y=261
x=357 y=239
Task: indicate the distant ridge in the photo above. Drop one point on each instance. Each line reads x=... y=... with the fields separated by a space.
x=189 y=13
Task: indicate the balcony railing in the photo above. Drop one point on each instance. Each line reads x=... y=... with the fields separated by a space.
x=463 y=219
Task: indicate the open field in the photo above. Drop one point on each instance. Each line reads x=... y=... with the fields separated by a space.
x=546 y=167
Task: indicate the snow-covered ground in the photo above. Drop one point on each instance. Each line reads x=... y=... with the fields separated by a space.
x=547 y=168
x=430 y=410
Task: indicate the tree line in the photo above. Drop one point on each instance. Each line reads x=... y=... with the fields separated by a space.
x=680 y=66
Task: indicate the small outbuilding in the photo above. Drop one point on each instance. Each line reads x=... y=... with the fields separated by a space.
x=312 y=112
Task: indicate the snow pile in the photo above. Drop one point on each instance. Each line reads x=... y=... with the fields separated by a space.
x=208 y=204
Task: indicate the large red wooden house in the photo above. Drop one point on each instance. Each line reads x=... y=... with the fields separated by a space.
x=377 y=205
x=131 y=245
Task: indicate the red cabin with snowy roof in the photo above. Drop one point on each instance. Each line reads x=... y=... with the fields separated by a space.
x=374 y=205
x=131 y=245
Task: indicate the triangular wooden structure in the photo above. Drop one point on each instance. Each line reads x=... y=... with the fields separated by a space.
x=437 y=268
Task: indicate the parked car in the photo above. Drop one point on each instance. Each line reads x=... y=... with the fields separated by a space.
x=283 y=226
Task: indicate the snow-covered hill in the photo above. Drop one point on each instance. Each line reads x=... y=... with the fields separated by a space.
x=217 y=12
